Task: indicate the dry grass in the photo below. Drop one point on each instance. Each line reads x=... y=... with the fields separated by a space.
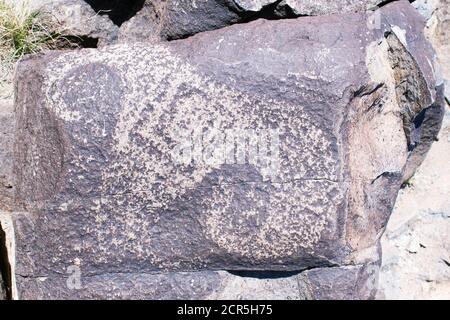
x=22 y=31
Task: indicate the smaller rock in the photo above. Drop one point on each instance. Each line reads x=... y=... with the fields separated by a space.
x=177 y=19
x=358 y=282
x=78 y=21
x=257 y=287
x=140 y=28
x=320 y=7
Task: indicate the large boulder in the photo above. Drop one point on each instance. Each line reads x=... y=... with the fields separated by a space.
x=272 y=145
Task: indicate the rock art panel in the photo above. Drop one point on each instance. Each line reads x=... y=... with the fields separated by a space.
x=272 y=145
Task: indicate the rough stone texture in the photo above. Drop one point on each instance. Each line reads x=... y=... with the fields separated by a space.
x=358 y=282
x=143 y=27
x=76 y=20
x=354 y=282
x=175 y=19
x=309 y=7
x=257 y=286
x=178 y=285
x=96 y=129
x=6 y=154
x=321 y=7
x=415 y=245
x=2 y=290
x=180 y=19
x=196 y=285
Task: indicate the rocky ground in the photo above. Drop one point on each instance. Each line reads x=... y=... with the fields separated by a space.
x=416 y=245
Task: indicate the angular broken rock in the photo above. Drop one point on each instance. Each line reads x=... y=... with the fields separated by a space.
x=309 y=7
x=273 y=145
x=78 y=22
x=143 y=27
x=352 y=282
x=175 y=19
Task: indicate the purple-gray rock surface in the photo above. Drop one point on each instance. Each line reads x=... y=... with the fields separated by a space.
x=175 y=19
x=275 y=146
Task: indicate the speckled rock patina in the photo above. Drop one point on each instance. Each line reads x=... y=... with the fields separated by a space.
x=97 y=131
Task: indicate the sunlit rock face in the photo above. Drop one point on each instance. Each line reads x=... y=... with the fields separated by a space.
x=271 y=145
x=177 y=19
